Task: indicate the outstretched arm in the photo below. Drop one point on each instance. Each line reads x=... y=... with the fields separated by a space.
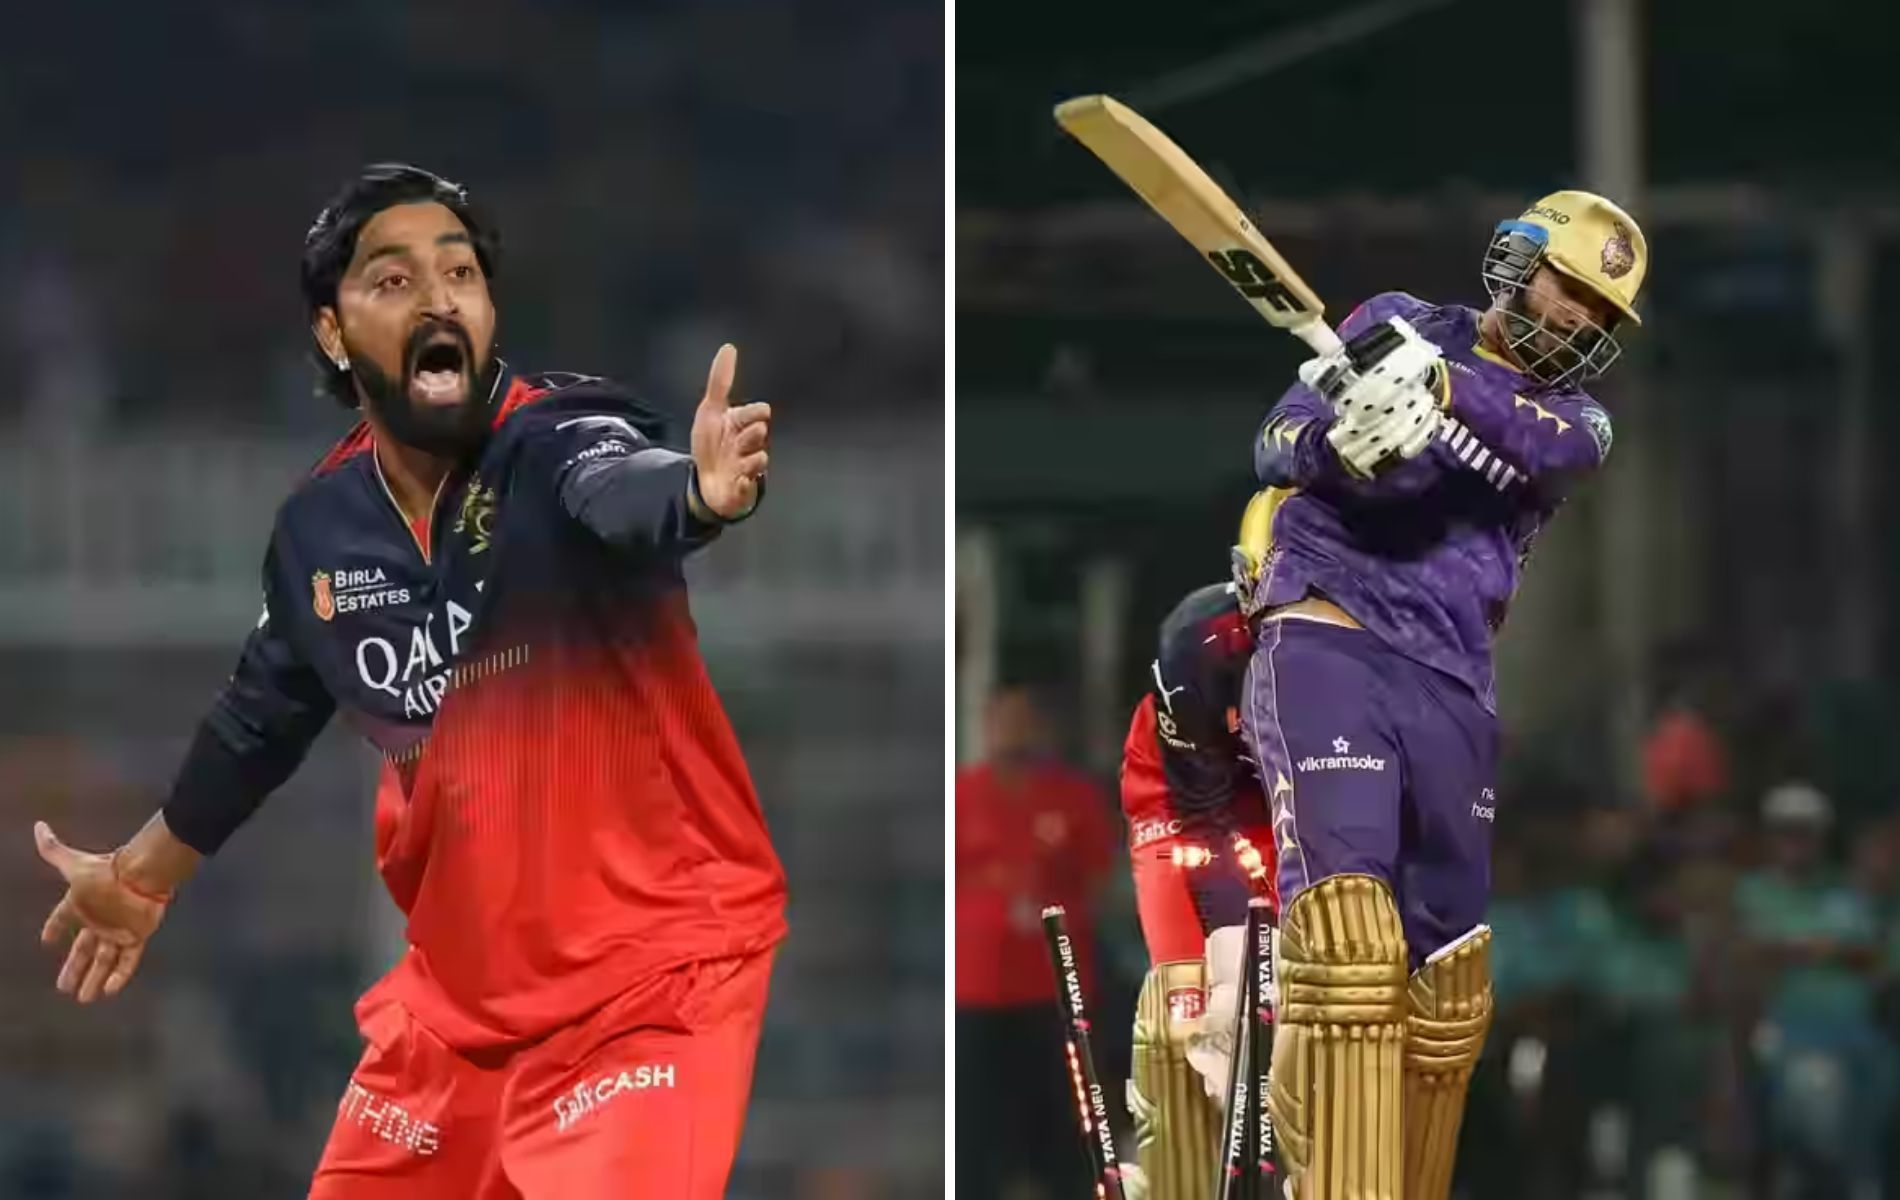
x=636 y=494
x=255 y=735
x=113 y=904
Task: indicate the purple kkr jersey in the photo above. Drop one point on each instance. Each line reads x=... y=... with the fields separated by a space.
x=1427 y=554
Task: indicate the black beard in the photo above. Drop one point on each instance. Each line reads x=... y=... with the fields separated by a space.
x=446 y=432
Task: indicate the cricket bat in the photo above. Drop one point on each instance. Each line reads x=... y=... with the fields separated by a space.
x=1174 y=186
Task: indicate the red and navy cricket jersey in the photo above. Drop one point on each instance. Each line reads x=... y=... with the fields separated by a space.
x=564 y=808
x=1186 y=773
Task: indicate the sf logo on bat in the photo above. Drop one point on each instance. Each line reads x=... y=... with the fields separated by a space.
x=1254 y=279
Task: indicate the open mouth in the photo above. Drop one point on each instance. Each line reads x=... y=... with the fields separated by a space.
x=439 y=374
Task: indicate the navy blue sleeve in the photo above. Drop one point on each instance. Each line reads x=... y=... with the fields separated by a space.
x=257 y=733
x=616 y=478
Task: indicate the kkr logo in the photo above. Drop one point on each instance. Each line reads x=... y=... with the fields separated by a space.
x=1619 y=257
x=1254 y=279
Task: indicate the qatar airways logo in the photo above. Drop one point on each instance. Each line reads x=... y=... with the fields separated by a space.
x=586 y=1097
x=416 y=674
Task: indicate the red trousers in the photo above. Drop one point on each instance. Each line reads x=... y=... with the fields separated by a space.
x=644 y=1098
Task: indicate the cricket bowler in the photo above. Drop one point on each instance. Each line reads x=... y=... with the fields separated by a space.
x=484 y=578
x=1413 y=472
x=1200 y=845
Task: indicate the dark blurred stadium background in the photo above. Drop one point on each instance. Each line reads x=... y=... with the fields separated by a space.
x=1685 y=1011
x=666 y=176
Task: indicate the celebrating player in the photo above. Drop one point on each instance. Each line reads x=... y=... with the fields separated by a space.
x=1199 y=841
x=563 y=814
x=1420 y=465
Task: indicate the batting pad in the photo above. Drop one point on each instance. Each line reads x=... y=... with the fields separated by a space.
x=1177 y=1127
x=1449 y=1011
x=1335 y=1096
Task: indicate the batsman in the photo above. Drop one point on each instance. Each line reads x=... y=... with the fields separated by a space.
x=1411 y=474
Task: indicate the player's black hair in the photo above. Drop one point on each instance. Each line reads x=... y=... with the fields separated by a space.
x=331 y=242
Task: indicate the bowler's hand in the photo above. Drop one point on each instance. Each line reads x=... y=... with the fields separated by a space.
x=729 y=444
x=112 y=919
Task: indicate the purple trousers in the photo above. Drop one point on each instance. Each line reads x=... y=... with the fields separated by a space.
x=1374 y=765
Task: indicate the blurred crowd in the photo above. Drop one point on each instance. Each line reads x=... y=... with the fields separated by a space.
x=664 y=176
x=1698 y=994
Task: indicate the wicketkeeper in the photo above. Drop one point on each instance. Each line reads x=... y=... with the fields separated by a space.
x=1200 y=846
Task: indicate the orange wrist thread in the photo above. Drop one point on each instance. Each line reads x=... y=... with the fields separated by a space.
x=119 y=878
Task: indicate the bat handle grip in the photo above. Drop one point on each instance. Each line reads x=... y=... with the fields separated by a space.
x=1320 y=336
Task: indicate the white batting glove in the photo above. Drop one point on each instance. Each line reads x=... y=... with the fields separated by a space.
x=1398 y=429
x=1384 y=389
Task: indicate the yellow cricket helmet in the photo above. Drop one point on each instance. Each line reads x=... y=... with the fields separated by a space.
x=1591 y=240
x=1595 y=243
